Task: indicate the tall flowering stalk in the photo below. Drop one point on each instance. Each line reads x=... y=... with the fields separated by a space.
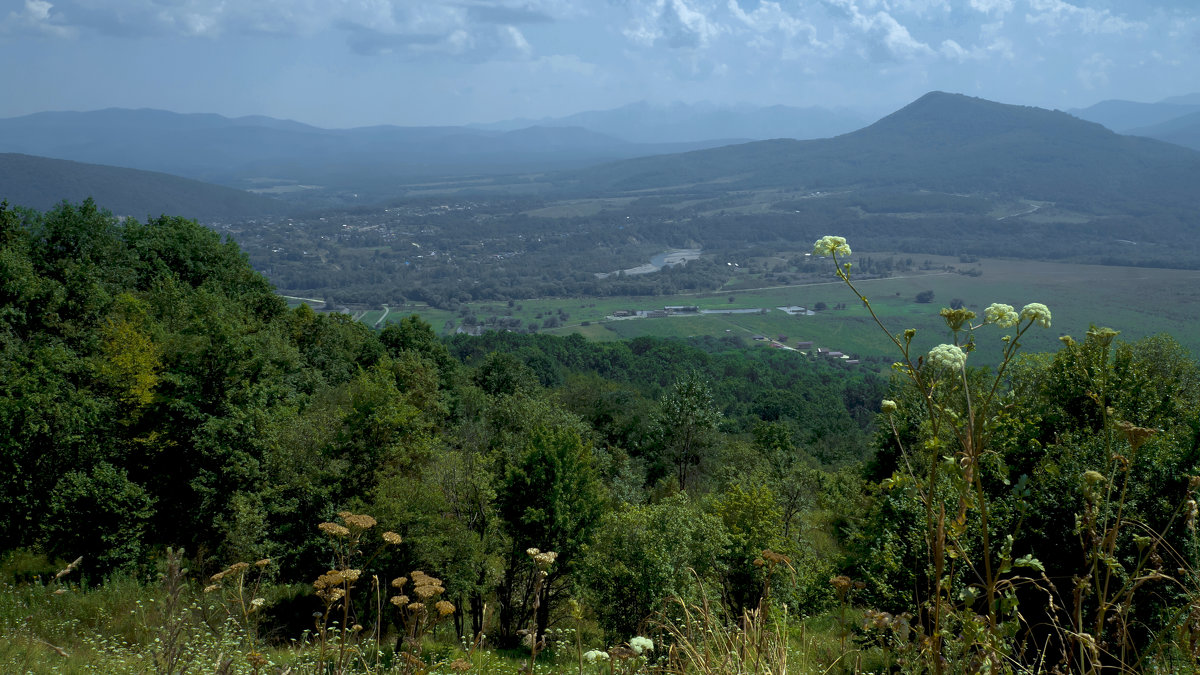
x=959 y=432
x=336 y=587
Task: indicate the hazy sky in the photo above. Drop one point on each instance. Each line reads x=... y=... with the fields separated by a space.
x=356 y=62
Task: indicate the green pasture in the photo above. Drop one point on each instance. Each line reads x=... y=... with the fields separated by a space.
x=1136 y=301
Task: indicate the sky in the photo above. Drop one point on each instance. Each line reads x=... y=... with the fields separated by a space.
x=345 y=63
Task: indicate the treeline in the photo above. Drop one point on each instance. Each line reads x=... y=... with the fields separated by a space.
x=497 y=251
x=155 y=392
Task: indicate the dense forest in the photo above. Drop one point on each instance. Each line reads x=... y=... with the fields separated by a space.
x=157 y=395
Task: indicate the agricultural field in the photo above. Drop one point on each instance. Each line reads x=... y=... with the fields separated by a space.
x=1136 y=301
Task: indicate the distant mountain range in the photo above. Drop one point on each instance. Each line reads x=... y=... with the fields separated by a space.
x=1174 y=120
x=41 y=183
x=681 y=122
x=293 y=159
x=943 y=142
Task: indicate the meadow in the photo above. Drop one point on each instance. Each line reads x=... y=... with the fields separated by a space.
x=1137 y=301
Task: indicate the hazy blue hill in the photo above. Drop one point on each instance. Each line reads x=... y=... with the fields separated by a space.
x=1183 y=131
x=1124 y=116
x=41 y=183
x=257 y=152
x=943 y=142
x=679 y=122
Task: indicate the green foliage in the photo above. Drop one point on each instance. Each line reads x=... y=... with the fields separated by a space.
x=643 y=556
x=100 y=515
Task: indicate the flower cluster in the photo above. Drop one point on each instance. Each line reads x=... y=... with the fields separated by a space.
x=831 y=245
x=596 y=655
x=948 y=356
x=1037 y=313
x=1001 y=314
x=641 y=644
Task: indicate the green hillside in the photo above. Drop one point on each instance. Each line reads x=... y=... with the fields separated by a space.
x=40 y=183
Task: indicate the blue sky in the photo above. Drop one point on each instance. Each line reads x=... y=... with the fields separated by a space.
x=343 y=63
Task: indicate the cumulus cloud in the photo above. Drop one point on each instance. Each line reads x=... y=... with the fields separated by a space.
x=1000 y=7
x=888 y=39
x=673 y=23
x=470 y=28
x=1058 y=14
x=37 y=16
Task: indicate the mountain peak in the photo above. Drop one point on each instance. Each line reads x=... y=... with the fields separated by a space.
x=951 y=118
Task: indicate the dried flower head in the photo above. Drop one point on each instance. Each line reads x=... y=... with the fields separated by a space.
x=399 y=582
x=238 y=567
x=263 y=563
x=460 y=665
x=399 y=600
x=391 y=538
x=211 y=587
x=444 y=608
x=1137 y=436
x=358 y=521
x=416 y=607
x=334 y=530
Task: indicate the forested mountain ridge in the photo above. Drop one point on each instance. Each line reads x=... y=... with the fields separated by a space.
x=941 y=142
x=40 y=183
x=302 y=162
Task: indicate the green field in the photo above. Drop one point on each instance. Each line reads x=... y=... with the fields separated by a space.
x=1136 y=301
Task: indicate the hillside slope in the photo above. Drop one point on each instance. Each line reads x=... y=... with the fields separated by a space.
x=40 y=183
x=941 y=142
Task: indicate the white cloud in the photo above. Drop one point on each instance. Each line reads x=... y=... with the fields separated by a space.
x=38 y=17
x=888 y=38
x=674 y=23
x=1000 y=7
x=1059 y=14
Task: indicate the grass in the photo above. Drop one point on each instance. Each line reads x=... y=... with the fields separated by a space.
x=1136 y=301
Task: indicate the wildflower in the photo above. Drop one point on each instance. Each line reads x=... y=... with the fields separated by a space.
x=238 y=567
x=596 y=655
x=641 y=644
x=1002 y=315
x=831 y=245
x=334 y=530
x=957 y=318
x=1037 y=313
x=399 y=600
x=444 y=608
x=263 y=563
x=460 y=665
x=1092 y=477
x=211 y=587
x=351 y=575
x=399 y=582
x=257 y=603
x=888 y=406
x=416 y=606
x=948 y=356
x=391 y=538
x=358 y=521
